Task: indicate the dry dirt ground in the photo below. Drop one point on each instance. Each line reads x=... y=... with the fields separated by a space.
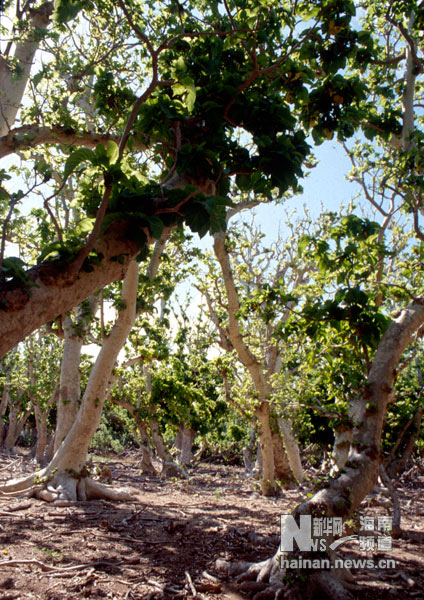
x=164 y=544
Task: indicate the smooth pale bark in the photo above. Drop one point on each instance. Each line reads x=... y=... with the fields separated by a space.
x=345 y=493
x=56 y=291
x=70 y=391
x=31 y=136
x=268 y=483
x=74 y=450
x=341 y=447
x=251 y=363
x=71 y=456
x=13 y=83
x=292 y=448
x=186 y=437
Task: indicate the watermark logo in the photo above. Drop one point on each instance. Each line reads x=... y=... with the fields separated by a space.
x=319 y=534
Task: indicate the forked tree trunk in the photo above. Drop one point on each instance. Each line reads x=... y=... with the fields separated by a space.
x=15 y=425
x=345 y=493
x=70 y=480
x=169 y=466
x=146 y=463
x=41 y=417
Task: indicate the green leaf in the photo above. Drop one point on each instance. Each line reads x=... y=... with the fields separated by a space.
x=49 y=249
x=37 y=78
x=155 y=225
x=84 y=226
x=112 y=152
x=76 y=158
x=66 y=10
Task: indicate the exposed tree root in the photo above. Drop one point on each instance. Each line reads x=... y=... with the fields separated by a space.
x=64 y=487
x=23 y=485
x=265 y=581
x=171 y=469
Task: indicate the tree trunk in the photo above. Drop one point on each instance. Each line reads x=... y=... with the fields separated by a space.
x=57 y=290
x=70 y=391
x=268 y=484
x=70 y=479
x=3 y=407
x=146 y=463
x=13 y=85
x=248 y=451
x=12 y=427
x=41 y=425
x=281 y=462
x=398 y=465
x=345 y=493
x=341 y=447
x=292 y=449
x=186 y=444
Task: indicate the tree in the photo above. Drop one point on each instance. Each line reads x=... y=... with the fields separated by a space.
x=391 y=122
x=207 y=76
x=247 y=315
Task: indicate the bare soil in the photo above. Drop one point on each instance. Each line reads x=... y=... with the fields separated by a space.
x=164 y=544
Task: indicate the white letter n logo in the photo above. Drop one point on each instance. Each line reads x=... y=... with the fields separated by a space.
x=290 y=531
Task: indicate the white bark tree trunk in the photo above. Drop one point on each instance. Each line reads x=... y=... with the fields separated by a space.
x=251 y=363
x=345 y=493
x=12 y=82
x=70 y=391
x=88 y=417
x=341 y=448
x=187 y=439
x=70 y=480
x=268 y=483
x=292 y=448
